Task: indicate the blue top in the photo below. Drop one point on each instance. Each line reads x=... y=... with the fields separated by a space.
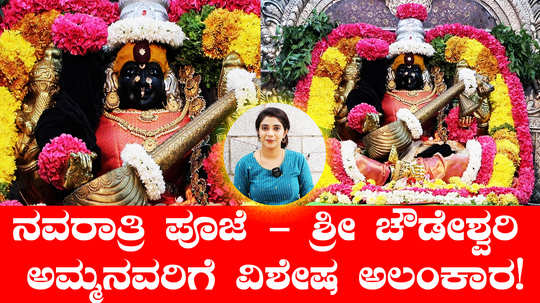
x=257 y=182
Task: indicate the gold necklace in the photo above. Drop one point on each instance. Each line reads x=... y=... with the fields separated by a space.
x=149 y=136
x=413 y=106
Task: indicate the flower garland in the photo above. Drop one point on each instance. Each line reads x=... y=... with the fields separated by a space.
x=149 y=172
x=240 y=81
x=35 y=28
x=468 y=76
x=348 y=150
x=357 y=116
x=144 y=28
x=412 y=10
x=234 y=31
x=335 y=161
x=8 y=106
x=489 y=149
x=53 y=159
x=372 y=49
x=15 y=10
x=313 y=91
x=507 y=85
x=179 y=7
x=411 y=121
x=221 y=190
x=455 y=131
x=474 y=148
x=16 y=61
x=79 y=33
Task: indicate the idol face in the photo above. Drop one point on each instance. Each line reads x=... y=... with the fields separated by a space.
x=409 y=77
x=141 y=86
x=271 y=132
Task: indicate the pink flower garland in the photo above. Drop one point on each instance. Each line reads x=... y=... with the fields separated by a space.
x=79 y=33
x=343 y=31
x=179 y=7
x=489 y=149
x=524 y=185
x=16 y=9
x=53 y=159
x=372 y=48
x=11 y=203
x=457 y=133
x=357 y=116
x=412 y=10
x=336 y=162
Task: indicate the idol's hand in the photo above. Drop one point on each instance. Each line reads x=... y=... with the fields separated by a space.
x=79 y=170
x=466 y=121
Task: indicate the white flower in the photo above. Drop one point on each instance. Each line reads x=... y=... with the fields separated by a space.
x=144 y=28
x=468 y=76
x=474 y=148
x=410 y=46
x=241 y=82
x=412 y=122
x=343 y=198
x=149 y=172
x=348 y=152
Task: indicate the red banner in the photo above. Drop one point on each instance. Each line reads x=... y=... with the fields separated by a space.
x=137 y=254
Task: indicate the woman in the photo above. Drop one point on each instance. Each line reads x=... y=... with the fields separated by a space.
x=273 y=175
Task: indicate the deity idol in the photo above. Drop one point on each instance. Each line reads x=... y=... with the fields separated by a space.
x=142 y=113
x=414 y=105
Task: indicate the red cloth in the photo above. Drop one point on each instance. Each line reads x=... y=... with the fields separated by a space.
x=112 y=138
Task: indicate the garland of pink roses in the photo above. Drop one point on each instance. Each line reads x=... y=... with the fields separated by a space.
x=79 y=33
x=523 y=187
x=178 y=7
x=343 y=31
x=336 y=162
x=489 y=149
x=53 y=159
x=16 y=9
x=457 y=133
x=412 y=10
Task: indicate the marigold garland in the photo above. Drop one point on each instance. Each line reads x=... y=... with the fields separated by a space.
x=8 y=106
x=234 y=31
x=321 y=103
x=36 y=29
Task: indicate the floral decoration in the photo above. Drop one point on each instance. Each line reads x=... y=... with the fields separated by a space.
x=412 y=10
x=240 y=81
x=79 y=34
x=53 y=159
x=372 y=49
x=36 y=29
x=474 y=149
x=8 y=106
x=221 y=190
x=179 y=7
x=357 y=116
x=455 y=131
x=413 y=124
x=10 y=203
x=147 y=169
x=489 y=149
x=144 y=28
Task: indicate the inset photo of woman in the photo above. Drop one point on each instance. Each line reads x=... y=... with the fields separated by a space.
x=275 y=154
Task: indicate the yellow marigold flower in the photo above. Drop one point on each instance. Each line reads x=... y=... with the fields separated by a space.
x=347 y=46
x=510 y=149
x=8 y=106
x=472 y=50
x=248 y=42
x=503 y=171
x=500 y=103
x=333 y=55
x=380 y=200
x=327 y=197
x=506 y=134
x=507 y=199
x=327 y=178
x=358 y=186
x=13 y=46
x=487 y=64
x=321 y=102
x=332 y=65
x=455 y=47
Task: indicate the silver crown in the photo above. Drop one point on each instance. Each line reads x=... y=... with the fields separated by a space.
x=155 y=9
x=410 y=29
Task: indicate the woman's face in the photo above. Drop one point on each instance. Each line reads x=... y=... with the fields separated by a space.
x=271 y=132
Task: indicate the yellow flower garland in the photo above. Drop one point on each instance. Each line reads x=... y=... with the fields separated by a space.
x=9 y=105
x=235 y=31
x=13 y=46
x=321 y=103
x=503 y=171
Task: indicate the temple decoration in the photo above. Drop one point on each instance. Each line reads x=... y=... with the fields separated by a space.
x=494 y=169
